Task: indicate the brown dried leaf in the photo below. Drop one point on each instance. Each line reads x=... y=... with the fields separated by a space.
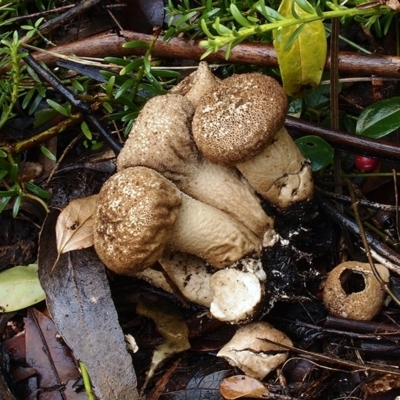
x=79 y=300
x=74 y=228
x=239 y=386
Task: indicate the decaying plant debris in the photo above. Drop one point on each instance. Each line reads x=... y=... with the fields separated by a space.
x=181 y=315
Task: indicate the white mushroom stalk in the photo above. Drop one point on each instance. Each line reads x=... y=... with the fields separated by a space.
x=140 y=213
x=161 y=139
x=232 y=294
x=236 y=121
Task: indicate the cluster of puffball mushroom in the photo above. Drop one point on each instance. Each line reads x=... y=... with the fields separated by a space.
x=186 y=196
x=187 y=191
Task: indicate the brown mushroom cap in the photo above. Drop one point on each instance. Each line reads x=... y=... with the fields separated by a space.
x=237 y=119
x=136 y=211
x=358 y=304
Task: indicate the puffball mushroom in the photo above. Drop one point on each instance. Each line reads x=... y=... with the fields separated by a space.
x=240 y=123
x=197 y=84
x=163 y=142
x=360 y=303
x=254 y=356
x=161 y=139
x=140 y=213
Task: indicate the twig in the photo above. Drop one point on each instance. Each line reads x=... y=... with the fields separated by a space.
x=80 y=105
x=345 y=141
x=354 y=206
x=361 y=202
x=110 y=44
x=346 y=223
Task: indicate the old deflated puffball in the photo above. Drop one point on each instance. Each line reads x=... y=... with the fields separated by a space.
x=362 y=302
x=252 y=353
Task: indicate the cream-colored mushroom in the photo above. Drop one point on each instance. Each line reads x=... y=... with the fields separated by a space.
x=240 y=122
x=139 y=213
x=255 y=356
x=362 y=302
x=161 y=139
x=197 y=84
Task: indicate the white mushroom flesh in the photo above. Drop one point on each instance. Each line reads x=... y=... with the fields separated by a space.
x=237 y=295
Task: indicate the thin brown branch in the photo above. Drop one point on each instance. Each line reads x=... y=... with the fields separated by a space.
x=110 y=44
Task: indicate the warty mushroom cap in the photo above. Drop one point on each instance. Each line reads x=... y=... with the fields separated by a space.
x=161 y=139
x=237 y=119
x=240 y=122
x=140 y=213
x=254 y=356
x=359 y=305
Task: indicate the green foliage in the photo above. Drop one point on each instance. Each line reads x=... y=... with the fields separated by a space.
x=301 y=49
x=20 y=288
x=379 y=119
x=317 y=150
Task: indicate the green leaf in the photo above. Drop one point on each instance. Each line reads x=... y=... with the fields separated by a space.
x=165 y=73
x=48 y=153
x=3 y=202
x=3 y=154
x=137 y=44
x=239 y=17
x=301 y=53
x=17 y=205
x=317 y=150
x=86 y=130
x=379 y=119
x=59 y=108
x=38 y=191
x=110 y=86
x=305 y=6
x=20 y=288
x=294 y=36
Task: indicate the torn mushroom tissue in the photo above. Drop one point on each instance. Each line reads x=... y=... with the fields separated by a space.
x=192 y=198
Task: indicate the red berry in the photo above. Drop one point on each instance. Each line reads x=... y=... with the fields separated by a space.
x=365 y=164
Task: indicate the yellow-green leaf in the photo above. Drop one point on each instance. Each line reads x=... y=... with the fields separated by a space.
x=301 y=50
x=20 y=288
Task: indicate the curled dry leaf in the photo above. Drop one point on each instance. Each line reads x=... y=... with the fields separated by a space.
x=239 y=386
x=74 y=228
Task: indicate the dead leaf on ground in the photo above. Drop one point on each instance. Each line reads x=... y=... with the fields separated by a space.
x=55 y=367
x=79 y=300
x=74 y=228
x=240 y=386
x=171 y=325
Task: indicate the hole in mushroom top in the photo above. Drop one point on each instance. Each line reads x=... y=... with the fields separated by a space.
x=352 y=281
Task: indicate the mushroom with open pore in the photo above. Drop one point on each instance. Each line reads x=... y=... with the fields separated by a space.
x=139 y=213
x=240 y=122
x=161 y=139
x=352 y=291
